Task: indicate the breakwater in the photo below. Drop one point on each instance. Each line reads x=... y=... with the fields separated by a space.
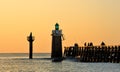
x=92 y=53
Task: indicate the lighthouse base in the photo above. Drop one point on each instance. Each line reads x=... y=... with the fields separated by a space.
x=56 y=47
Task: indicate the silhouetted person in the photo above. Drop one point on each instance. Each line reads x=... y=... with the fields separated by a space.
x=75 y=49
x=76 y=45
x=85 y=44
x=90 y=44
x=102 y=44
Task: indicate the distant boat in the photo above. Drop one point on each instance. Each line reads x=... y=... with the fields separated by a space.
x=57 y=59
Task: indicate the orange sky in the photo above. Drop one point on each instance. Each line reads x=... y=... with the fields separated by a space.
x=81 y=21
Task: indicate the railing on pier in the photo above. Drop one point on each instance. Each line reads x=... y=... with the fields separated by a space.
x=94 y=53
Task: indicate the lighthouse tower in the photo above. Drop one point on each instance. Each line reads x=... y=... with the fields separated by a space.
x=56 y=42
x=30 y=39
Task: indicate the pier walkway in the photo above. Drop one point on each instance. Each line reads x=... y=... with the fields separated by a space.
x=94 y=53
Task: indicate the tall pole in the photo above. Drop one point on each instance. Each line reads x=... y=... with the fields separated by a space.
x=30 y=38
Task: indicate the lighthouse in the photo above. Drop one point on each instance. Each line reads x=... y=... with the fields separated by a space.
x=30 y=38
x=56 y=42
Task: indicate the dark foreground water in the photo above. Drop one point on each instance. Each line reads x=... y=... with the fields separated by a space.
x=42 y=63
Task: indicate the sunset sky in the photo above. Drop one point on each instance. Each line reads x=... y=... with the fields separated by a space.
x=81 y=21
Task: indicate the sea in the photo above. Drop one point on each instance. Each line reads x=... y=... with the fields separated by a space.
x=41 y=62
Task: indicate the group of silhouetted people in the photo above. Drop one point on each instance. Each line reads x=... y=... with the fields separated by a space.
x=90 y=53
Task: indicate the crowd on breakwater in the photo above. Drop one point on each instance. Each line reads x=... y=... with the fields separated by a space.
x=91 y=53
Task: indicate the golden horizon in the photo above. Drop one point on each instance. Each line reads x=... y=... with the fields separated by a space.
x=81 y=21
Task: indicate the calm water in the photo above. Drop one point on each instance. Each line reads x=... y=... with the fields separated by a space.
x=42 y=63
